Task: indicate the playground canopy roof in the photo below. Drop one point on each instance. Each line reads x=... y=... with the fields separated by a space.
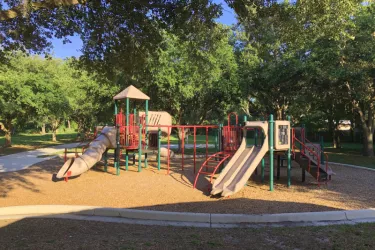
x=132 y=93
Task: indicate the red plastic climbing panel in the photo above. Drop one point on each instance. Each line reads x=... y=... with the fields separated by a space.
x=211 y=165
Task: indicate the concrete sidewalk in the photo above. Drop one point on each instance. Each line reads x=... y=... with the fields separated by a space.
x=23 y=160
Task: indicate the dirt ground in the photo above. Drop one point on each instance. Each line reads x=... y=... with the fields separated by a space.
x=70 y=234
x=155 y=190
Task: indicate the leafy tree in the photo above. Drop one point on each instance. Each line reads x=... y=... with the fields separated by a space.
x=270 y=65
x=19 y=81
x=89 y=96
x=358 y=72
x=195 y=86
x=116 y=35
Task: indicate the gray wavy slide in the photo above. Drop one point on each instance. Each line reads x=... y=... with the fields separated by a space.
x=242 y=165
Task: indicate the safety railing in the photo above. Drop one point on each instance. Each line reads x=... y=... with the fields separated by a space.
x=320 y=152
x=302 y=152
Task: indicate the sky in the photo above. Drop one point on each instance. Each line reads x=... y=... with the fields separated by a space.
x=72 y=49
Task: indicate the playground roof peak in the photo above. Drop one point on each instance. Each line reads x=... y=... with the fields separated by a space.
x=132 y=93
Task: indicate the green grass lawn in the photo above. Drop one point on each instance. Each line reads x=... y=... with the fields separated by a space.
x=74 y=234
x=23 y=142
x=350 y=153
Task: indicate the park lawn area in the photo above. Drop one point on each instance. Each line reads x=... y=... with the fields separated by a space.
x=200 y=139
x=72 y=234
x=350 y=153
x=24 y=142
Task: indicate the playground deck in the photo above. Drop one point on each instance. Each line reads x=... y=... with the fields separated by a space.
x=350 y=189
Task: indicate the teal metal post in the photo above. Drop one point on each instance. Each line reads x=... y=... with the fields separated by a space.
x=127 y=111
x=220 y=137
x=262 y=171
x=289 y=154
x=105 y=160
x=126 y=160
x=216 y=140
x=146 y=139
x=126 y=133
x=159 y=147
x=117 y=150
x=271 y=124
x=140 y=149
x=244 y=123
x=322 y=149
x=116 y=107
x=263 y=163
x=256 y=138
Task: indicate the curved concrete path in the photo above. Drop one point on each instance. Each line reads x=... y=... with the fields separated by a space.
x=23 y=160
x=148 y=217
x=352 y=166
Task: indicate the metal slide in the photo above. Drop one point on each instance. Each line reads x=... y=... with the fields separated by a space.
x=93 y=154
x=242 y=165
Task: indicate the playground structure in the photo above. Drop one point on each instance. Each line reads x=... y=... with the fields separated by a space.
x=141 y=133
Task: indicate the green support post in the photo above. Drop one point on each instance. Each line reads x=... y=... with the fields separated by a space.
x=244 y=123
x=127 y=119
x=262 y=171
x=278 y=167
x=270 y=134
x=159 y=147
x=105 y=160
x=216 y=140
x=127 y=111
x=256 y=138
x=146 y=139
x=290 y=155
x=140 y=149
x=263 y=163
x=126 y=160
x=117 y=149
x=220 y=137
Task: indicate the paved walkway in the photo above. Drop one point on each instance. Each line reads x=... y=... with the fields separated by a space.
x=186 y=219
x=23 y=160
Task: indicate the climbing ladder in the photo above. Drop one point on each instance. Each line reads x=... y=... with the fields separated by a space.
x=211 y=165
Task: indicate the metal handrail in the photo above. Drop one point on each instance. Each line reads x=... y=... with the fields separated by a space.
x=321 y=151
x=318 y=157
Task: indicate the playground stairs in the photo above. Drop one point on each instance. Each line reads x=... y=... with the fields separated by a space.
x=310 y=167
x=212 y=164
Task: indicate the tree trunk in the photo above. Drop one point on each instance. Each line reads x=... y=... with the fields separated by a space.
x=336 y=135
x=368 y=141
x=54 y=135
x=279 y=113
x=43 y=129
x=7 y=128
x=181 y=133
x=55 y=126
x=8 y=139
x=68 y=124
x=352 y=135
x=336 y=139
x=332 y=132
